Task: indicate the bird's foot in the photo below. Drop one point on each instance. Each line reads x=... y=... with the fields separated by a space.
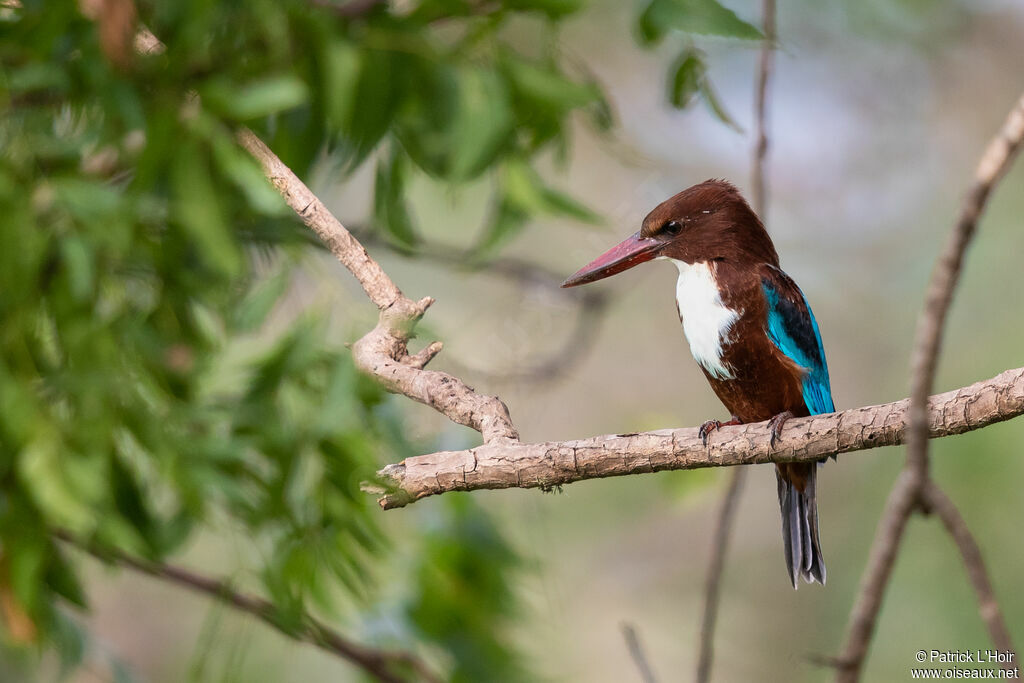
x=776 y=423
x=713 y=426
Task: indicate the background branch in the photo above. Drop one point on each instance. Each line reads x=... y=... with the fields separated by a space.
x=591 y=307
x=636 y=652
x=939 y=503
x=914 y=487
x=384 y=665
x=731 y=500
x=713 y=585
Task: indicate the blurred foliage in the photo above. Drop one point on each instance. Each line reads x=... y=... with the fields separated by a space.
x=132 y=268
x=462 y=599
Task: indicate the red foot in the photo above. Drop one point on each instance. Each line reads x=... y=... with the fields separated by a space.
x=713 y=426
x=776 y=423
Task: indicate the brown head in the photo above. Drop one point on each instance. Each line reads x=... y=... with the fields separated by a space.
x=707 y=222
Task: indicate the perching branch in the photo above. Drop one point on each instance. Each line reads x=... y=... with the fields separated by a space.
x=915 y=488
x=384 y=665
x=499 y=465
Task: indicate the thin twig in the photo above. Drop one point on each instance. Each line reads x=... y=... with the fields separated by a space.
x=591 y=306
x=909 y=491
x=727 y=511
x=380 y=289
x=882 y=558
x=713 y=585
x=636 y=651
x=928 y=340
x=939 y=503
x=385 y=665
x=759 y=178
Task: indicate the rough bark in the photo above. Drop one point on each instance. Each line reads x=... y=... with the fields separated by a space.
x=545 y=465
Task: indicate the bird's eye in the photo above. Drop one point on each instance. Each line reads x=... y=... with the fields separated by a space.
x=672 y=228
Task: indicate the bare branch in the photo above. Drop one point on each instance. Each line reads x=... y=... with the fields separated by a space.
x=376 y=283
x=713 y=586
x=910 y=490
x=591 y=303
x=636 y=651
x=383 y=352
x=807 y=439
x=759 y=179
x=384 y=665
x=939 y=503
x=993 y=164
x=901 y=503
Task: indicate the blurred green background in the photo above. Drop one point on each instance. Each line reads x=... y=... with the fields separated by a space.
x=174 y=382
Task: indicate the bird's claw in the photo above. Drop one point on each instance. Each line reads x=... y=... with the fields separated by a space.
x=707 y=428
x=713 y=426
x=776 y=424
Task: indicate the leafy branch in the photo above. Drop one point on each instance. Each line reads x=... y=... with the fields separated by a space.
x=388 y=666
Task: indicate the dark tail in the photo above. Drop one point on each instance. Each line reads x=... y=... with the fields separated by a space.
x=800 y=522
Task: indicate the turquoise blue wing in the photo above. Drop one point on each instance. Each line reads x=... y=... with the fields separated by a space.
x=793 y=329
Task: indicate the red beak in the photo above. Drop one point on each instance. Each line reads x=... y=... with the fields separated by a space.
x=630 y=252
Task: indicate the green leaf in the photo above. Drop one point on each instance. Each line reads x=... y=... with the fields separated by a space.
x=260 y=301
x=61 y=486
x=78 y=263
x=693 y=16
x=379 y=93
x=505 y=222
x=61 y=577
x=482 y=123
x=266 y=96
x=342 y=64
x=197 y=210
x=552 y=8
x=687 y=78
x=522 y=194
x=716 y=106
x=37 y=76
x=548 y=87
x=389 y=207
x=247 y=176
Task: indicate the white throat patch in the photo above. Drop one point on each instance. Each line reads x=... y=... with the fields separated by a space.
x=706 y=320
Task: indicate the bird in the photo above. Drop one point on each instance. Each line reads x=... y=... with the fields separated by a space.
x=750 y=329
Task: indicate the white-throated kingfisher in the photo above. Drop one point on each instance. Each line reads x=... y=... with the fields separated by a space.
x=750 y=330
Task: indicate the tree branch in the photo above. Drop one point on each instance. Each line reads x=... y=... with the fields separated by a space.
x=758 y=176
x=384 y=665
x=636 y=652
x=939 y=503
x=383 y=352
x=928 y=341
x=911 y=491
x=882 y=558
x=807 y=439
x=713 y=585
x=591 y=306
